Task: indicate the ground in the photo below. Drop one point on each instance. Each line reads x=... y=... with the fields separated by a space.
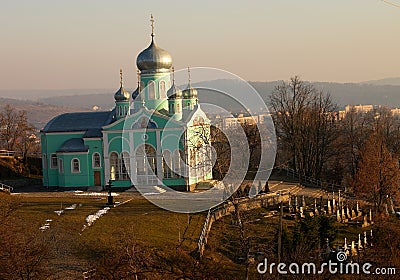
x=76 y=247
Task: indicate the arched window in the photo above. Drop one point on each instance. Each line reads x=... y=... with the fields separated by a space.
x=163 y=91
x=53 y=161
x=96 y=160
x=146 y=160
x=125 y=166
x=152 y=90
x=114 y=168
x=75 y=166
x=167 y=164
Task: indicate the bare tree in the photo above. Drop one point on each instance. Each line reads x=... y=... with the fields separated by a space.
x=305 y=125
x=16 y=133
x=377 y=176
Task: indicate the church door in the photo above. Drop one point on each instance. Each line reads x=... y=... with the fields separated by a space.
x=97 y=178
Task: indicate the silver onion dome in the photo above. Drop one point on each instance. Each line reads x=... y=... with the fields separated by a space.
x=135 y=93
x=154 y=59
x=174 y=92
x=189 y=92
x=121 y=94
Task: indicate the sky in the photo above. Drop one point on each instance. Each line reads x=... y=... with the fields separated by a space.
x=82 y=44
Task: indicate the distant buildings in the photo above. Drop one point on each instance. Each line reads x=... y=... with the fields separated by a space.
x=364 y=109
x=222 y=121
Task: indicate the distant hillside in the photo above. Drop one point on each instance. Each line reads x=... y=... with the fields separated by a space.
x=104 y=101
x=35 y=94
x=388 y=82
x=343 y=94
x=38 y=113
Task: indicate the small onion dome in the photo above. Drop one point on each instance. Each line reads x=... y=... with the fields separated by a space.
x=174 y=92
x=135 y=93
x=154 y=59
x=121 y=95
x=190 y=92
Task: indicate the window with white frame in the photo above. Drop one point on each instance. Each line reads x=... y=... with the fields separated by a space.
x=75 y=166
x=114 y=167
x=125 y=166
x=53 y=161
x=96 y=160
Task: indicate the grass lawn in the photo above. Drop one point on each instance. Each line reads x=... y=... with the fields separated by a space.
x=74 y=251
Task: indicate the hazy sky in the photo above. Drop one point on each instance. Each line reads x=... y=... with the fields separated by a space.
x=70 y=44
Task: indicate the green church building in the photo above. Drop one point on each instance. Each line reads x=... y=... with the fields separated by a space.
x=152 y=137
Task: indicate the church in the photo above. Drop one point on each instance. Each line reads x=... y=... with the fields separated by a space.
x=156 y=136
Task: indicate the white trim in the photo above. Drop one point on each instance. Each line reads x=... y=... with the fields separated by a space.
x=72 y=166
x=44 y=161
x=132 y=158
x=159 y=156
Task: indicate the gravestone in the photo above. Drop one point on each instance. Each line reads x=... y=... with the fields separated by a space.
x=353 y=248
x=370 y=217
x=329 y=207
x=365 y=239
x=365 y=222
x=338 y=218
x=360 y=247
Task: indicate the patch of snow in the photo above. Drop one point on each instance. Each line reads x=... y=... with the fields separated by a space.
x=159 y=189
x=72 y=207
x=95 y=194
x=46 y=225
x=59 y=212
x=43 y=228
x=151 y=193
x=92 y=218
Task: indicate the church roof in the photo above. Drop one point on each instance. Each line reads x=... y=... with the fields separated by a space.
x=72 y=146
x=85 y=121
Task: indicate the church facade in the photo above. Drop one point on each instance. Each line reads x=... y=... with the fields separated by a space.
x=154 y=136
